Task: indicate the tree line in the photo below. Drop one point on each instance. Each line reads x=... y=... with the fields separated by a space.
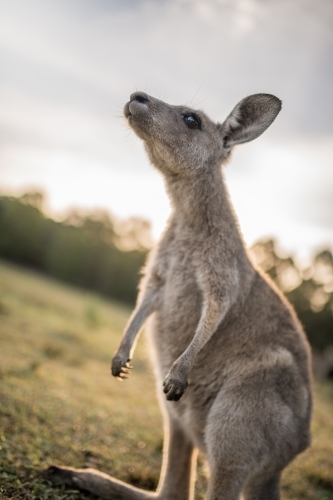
x=81 y=250
x=99 y=253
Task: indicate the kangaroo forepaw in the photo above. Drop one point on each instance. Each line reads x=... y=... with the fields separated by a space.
x=120 y=367
x=174 y=387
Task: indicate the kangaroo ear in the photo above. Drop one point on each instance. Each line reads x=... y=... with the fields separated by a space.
x=250 y=118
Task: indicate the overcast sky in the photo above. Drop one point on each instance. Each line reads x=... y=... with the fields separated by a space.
x=68 y=66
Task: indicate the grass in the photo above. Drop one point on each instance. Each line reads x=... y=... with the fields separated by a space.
x=59 y=404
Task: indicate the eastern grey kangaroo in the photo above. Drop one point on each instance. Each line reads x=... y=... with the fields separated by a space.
x=229 y=352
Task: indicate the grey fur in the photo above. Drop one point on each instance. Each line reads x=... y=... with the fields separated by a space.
x=218 y=327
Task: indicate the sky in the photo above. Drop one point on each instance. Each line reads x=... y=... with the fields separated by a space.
x=67 y=67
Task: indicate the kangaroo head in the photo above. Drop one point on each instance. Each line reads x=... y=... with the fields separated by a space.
x=181 y=141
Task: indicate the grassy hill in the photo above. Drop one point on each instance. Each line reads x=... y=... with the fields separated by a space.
x=59 y=404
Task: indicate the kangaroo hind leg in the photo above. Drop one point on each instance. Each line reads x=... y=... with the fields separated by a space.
x=179 y=462
x=263 y=488
x=225 y=482
x=176 y=483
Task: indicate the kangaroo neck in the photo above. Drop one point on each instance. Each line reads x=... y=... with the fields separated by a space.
x=201 y=201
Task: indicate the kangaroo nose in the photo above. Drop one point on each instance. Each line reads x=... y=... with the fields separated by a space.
x=140 y=97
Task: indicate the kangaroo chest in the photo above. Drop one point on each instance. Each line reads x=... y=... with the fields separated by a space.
x=177 y=318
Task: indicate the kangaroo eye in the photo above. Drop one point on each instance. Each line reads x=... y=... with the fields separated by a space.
x=192 y=121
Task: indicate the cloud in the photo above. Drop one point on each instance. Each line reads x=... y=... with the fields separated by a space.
x=68 y=67
x=228 y=48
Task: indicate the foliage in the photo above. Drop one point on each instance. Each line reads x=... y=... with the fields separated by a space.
x=310 y=290
x=59 y=403
x=81 y=250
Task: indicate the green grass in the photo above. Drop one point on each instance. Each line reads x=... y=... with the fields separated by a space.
x=59 y=404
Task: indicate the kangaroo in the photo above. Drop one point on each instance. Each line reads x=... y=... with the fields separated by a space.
x=228 y=349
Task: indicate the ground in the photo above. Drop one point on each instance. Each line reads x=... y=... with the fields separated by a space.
x=60 y=405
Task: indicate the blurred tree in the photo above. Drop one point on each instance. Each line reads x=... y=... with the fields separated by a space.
x=24 y=232
x=310 y=290
x=133 y=233
x=81 y=250
x=34 y=198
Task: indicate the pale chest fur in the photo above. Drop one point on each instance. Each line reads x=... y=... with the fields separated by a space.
x=180 y=303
